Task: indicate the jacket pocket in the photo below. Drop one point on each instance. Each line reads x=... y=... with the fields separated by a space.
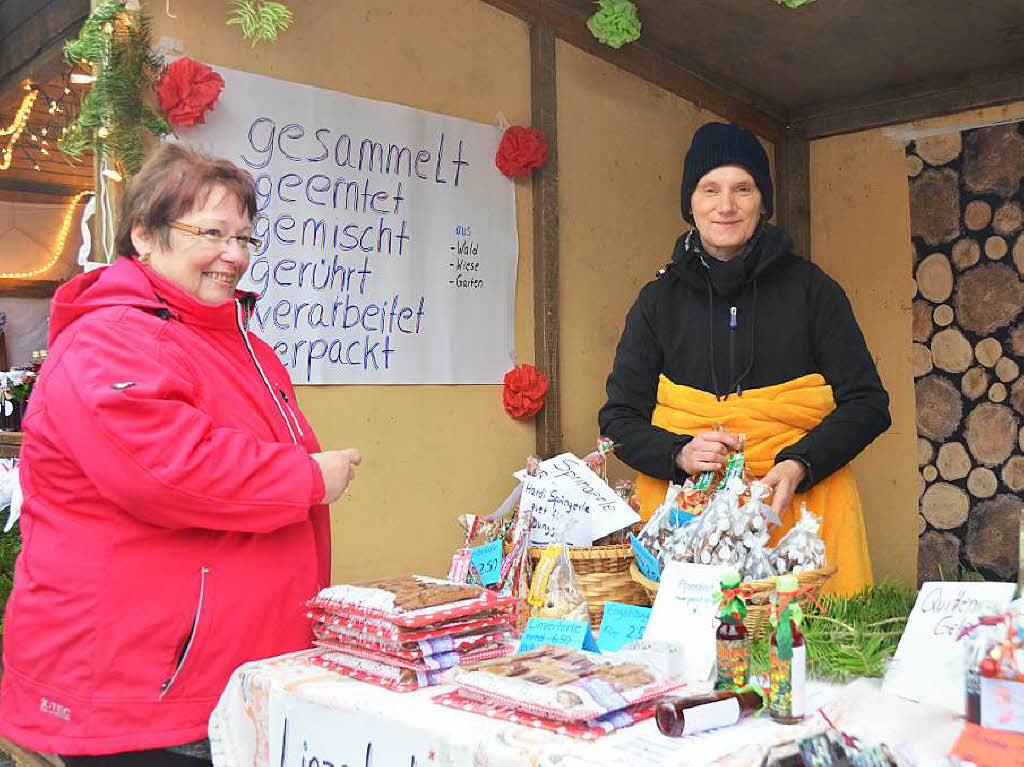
x=188 y=646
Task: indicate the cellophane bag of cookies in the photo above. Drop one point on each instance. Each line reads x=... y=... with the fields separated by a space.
x=801 y=549
x=555 y=591
x=561 y=683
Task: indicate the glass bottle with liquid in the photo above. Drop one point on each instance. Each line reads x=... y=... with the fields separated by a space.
x=679 y=717
x=731 y=641
x=787 y=656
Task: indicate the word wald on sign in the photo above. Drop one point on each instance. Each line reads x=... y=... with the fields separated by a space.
x=294 y=143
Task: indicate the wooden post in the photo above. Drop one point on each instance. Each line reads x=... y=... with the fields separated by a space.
x=545 y=238
x=793 y=189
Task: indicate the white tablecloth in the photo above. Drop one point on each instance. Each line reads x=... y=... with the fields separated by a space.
x=240 y=730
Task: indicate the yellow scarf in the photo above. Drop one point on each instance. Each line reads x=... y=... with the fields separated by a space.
x=773 y=418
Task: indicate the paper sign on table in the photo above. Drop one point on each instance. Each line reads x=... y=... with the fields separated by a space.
x=990 y=748
x=621 y=624
x=684 y=612
x=487 y=559
x=929 y=662
x=556 y=512
x=558 y=632
x=575 y=479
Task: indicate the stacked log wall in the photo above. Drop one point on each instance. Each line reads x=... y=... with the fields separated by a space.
x=967 y=227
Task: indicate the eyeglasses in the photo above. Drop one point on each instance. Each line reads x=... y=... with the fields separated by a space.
x=214 y=239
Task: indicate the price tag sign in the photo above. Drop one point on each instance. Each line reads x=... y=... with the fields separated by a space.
x=645 y=560
x=554 y=631
x=487 y=559
x=621 y=624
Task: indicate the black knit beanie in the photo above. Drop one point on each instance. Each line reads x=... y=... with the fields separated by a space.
x=716 y=144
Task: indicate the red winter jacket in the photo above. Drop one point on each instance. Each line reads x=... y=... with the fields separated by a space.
x=171 y=522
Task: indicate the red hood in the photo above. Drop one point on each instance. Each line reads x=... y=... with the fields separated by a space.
x=127 y=282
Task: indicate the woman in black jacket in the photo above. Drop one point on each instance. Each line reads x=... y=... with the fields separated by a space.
x=739 y=332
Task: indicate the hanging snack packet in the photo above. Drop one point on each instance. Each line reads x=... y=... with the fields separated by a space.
x=555 y=591
x=800 y=549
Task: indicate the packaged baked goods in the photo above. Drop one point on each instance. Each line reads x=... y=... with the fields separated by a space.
x=561 y=683
x=411 y=600
x=375 y=629
x=555 y=591
x=380 y=674
x=801 y=549
x=590 y=729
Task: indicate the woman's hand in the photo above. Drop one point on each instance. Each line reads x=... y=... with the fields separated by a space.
x=783 y=479
x=338 y=468
x=706 y=452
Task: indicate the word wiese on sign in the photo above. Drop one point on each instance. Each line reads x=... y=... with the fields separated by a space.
x=389 y=250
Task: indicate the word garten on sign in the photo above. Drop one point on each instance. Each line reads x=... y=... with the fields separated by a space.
x=389 y=248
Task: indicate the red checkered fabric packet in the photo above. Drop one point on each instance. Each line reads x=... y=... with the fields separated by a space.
x=561 y=683
x=587 y=730
x=380 y=674
x=415 y=650
x=375 y=629
x=435 y=662
x=413 y=601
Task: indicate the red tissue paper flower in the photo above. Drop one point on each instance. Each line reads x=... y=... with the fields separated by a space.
x=520 y=151
x=187 y=89
x=525 y=387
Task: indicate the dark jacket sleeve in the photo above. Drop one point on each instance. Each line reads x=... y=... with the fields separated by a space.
x=862 y=404
x=632 y=389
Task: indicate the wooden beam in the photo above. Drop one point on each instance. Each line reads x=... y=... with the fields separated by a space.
x=28 y=288
x=545 y=238
x=35 y=49
x=702 y=89
x=793 y=190
x=31 y=187
x=903 y=104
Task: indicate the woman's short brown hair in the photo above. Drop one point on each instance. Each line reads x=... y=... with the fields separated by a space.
x=173 y=181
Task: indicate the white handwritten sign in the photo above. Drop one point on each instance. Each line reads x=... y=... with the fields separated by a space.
x=929 y=663
x=304 y=733
x=556 y=510
x=389 y=248
x=576 y=484
x=684 y=612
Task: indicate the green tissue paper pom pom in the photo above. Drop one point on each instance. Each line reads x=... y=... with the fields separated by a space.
x=615 y=23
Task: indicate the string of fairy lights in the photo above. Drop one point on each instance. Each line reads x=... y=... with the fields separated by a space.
x=61 y=109
x=18 y=140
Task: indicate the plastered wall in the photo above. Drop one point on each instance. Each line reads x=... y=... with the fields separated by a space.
x=432 y=452
x=429 y=452
x=860 y=234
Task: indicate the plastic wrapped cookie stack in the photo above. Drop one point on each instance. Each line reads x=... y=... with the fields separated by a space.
x=402 y=633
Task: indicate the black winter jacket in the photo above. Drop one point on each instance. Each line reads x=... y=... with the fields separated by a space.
x=763 y=319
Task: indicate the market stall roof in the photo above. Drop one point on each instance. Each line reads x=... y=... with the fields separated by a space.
x=32 y=35
x=827 y=67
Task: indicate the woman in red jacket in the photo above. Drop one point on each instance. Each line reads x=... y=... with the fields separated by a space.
x=175 y=514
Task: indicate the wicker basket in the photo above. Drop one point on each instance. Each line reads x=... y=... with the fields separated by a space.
x=758 y=606
x=604 y=573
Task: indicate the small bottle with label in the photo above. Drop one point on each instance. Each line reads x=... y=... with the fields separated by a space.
x=787 y=655
x=732 y=644
x=678 y=717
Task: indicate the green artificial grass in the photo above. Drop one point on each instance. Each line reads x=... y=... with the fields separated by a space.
x=854 y=637
x=10 y=545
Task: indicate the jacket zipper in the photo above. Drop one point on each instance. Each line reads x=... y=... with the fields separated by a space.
x=266 y=381
x=733 y=324
x=295 y=418
x=166 y=686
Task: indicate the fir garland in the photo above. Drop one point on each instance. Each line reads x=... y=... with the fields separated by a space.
x=114 y=118
x=260 y=21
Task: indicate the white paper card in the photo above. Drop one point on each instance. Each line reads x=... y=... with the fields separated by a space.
x=555 y=508
x=684 y=611
x=576 y=482
x=929 y=663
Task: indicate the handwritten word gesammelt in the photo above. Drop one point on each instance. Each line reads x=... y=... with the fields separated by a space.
x=293 y=142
